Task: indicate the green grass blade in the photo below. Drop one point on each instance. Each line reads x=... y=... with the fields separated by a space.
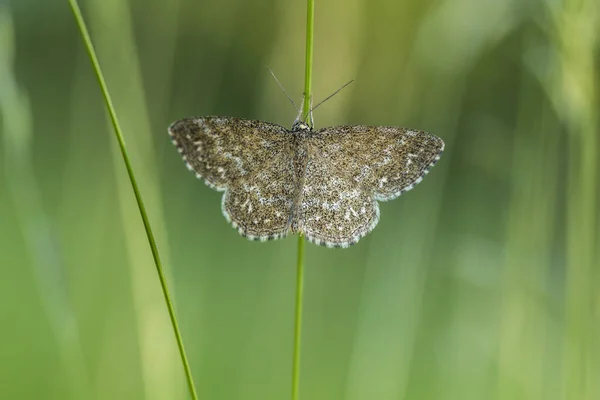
x=574 y=83
x=310 y=25
x=150 y=236
x=524 y=339
x=298 y=319
x=310 y=20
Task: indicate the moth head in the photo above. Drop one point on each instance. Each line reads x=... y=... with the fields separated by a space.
x=300 y=126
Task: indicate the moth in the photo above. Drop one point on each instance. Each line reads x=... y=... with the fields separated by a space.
x=324 y=184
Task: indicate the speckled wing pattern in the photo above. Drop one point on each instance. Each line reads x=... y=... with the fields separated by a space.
x=324 y=184
x=251 y=161
x=350 y=168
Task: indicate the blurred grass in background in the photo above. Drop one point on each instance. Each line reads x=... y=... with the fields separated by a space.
x=483 y=283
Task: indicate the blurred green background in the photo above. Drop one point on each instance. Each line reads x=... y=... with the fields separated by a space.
x=483 y=283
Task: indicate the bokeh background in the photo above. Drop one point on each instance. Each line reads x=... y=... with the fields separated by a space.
x=483 y=283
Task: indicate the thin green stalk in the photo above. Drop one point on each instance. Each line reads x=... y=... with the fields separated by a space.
x=310 y=23
x=298 y=319
x=138 y=197
x=575 y=40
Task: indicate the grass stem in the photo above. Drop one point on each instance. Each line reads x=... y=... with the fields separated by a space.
x=310 y=24
x=310 y=20
x=298 y=319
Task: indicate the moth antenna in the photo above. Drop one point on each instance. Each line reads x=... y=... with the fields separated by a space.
x=282 y=88
x=330 y=96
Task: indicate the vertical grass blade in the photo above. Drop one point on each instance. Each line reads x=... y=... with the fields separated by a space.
x=298 y=320
x=142 y=209
x=310 y=25
x=574 y=86
x=310 y=17
x=523 y=323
